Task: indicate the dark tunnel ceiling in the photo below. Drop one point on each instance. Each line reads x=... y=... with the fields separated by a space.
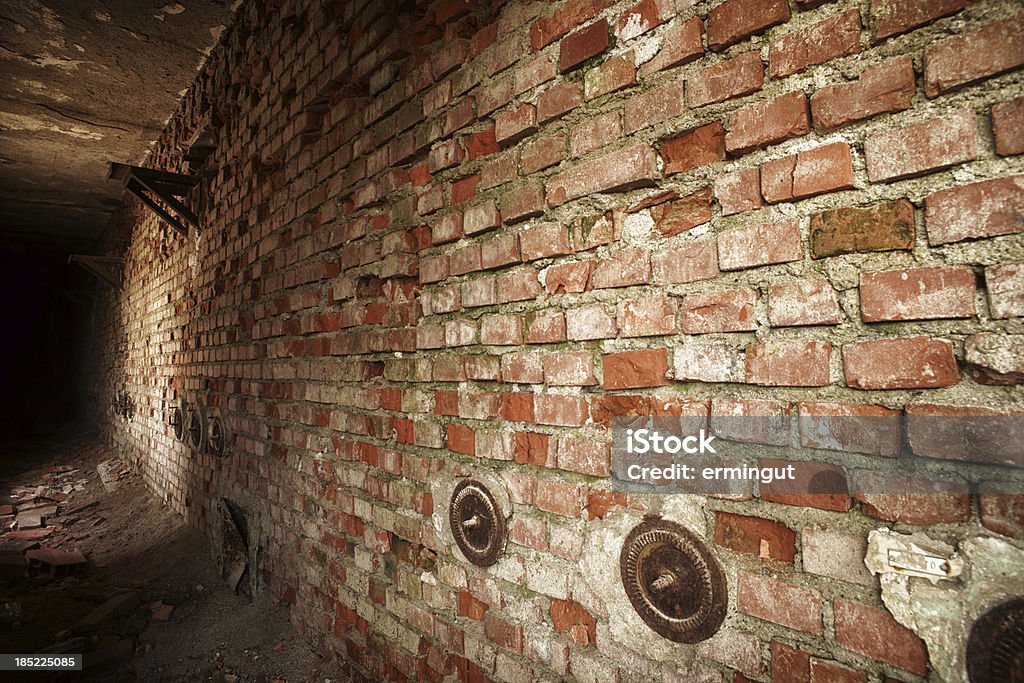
x=81 y=84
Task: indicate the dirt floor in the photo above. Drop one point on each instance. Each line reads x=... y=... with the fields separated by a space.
x=149 y=604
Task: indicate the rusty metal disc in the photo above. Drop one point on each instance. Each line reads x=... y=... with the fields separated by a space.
x=176 y=419
x=477 y=523
x=995 y=648
x=673 y=581
x=196 y=427
x=216 y=438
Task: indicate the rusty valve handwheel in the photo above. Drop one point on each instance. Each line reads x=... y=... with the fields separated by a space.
x=477 y=523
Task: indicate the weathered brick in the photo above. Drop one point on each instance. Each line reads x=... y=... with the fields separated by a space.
x=584 y=456
x=922 y=509
x=461 y=439
x=779 y=602
x=515 y=124
x=481 y=217
x=788 y=363
x=505 y=330
x=544 y=240
x=482 y=143
x=735 y=77
x=502 y=632
x=446 y=228
x=445 y=155
x=1003 y=513
x=548 y=29
x=882 y=227
x=835 y=554
x=917 y=294
x=594 y=133
x=850 y=427
x=433 y=268
x=694 y=148
x=501 y=250
x=641 y=18
x=1008 y=126
x=616 y=73
x=569 y=368
x=522 y=202
x=580 y=46
x=767 y=123
x=654 y=106
x=921 y=147
x=542 y=153
x=465 y=260
x=650 y=316
x=803 y=302
x=534 y=73
x=678 y=216
x=622 y=268
x=522 y=368
x=837 y=36
x=985 y=209
x=730 y=310
x=760 y=245
x=874 y=632
x=590 y=322
x=479 y=292
x=625 y=169
x=635 y=369
x=789 y=665
x=739 y=191
x=518 y=285
x=561 y=410
x=500 y=170
x=734 y=20
x=772 y=427
x=893 y=17
x=567 y=278
x=908 y=363
x=570 y=617
x=969 y=58
x=763 y=538
x=1005 y=290
x=710 y=362
x=681 y=43
x=881 y=89
x=822 y=169
x=688 y=262
x=557 y=100
x=941 y=431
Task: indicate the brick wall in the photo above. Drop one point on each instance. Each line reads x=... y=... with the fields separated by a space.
x=453 y=236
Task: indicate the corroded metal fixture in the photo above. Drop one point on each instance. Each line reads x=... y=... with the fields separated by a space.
x=216 y=439
x=995 y=648
x=196 y=427
x=477 y=522
x=177 y=421
x=673 y=581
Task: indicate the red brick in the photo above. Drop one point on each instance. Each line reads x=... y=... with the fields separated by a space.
x=590 y=322
x=501 y=250
x=675 y=217
x=461 y=439
x=827 y=671
x=779 y=602
x=882 y=227
x=616 y=73
x=559 y=497
x=650 y=316
x=570 y=14
x=545 y=327
x=908 y=363
x=544 y=240
x=965 y=59
x=569 y=368
x=1003 y=513
x=446 y=299
x=464 y=189
x=739 y=191
x=481 y=217
x=772 y=428
x=468 y=606
x=532 y=448
x=789 y=665
x=788 y=363
x=557 y=100
x=681 y=44
x=688 y=262
x=589 y=232
x=881 y=89
x=850 y=427
x=760 y=245
x=837 y=36
x=654 y=106
x=580 y=46
x=479 y=292
x=822 y=169
x=594 y=133
x=561 y=411
x=514 y=124
x=625 y=169
x=522 y=202
x=445 y=155
x=517 y=407
x=730 y=310
x=482 y=143
x=567 y=278
x=433 y=269
x=446 y=228
x=985 y=209
x=542 y=153
x=803 y=302
x=520 y=284
x=893 y=17
x=735 y=77
x=814 y=484
x=465 y=260
x=917 y=294
x=734 y=20
x=503 y=633
x=534 y=73
x=622 y=269
x=940 y=431
x=1005 y=290
x=764 y=538
x=450 y=9
x=873 y=632
x=569 y=616
x=504 y=330
x=713 y=362
x=522 y=368
x=694 y=148
x=766 y=123
x=585 y=456
x=641 y=18
x=921 y=509
x=635 y=369
x=922 y=147
x=1008 y=126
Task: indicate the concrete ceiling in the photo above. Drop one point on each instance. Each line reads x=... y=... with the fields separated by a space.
x=82 y=84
